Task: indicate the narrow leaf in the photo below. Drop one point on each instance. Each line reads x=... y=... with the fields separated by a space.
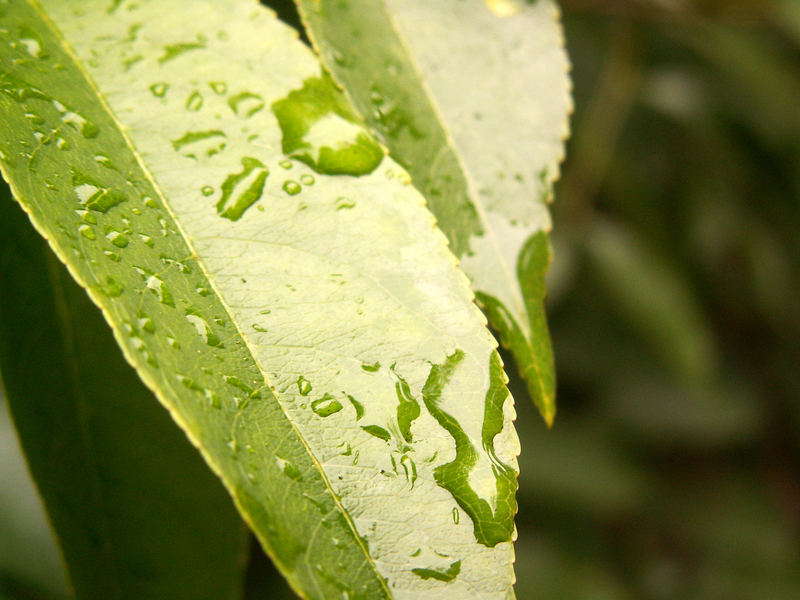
x=128 y=496
x=472 y=98
x=275 y=281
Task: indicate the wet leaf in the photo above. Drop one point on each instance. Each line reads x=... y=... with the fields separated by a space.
x=472 y=98
x=275 y=281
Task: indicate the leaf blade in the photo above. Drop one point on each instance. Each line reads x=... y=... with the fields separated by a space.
x=484 y=153
x=242 y=291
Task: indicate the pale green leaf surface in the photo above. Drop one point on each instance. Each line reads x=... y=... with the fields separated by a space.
x=308 y=330
x=472 y=98
x=128 y=496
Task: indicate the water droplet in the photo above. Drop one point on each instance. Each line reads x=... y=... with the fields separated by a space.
x=371 y=367
x=246 y=104
x=194 y=102
x=105 y=161
x=343 y=203
x=94 y=195
x=203 y=329
x=321 y=130
x=259 y=328
x=285 y=163
x=118 y=239
x=307 y=179
x=266 y=311
x=219 y=87
x=32 y=46
x=241 y=190
x=233 y=445
x=291 y=187
x=76 y=121
x=161 y=290
x=146 y=240
x=303 y=386
x=289 y=469
x=113 y=256
x=62 y=144
x=86 y=216
x=146 y=323
x=207 y=190
x=87 y=232
x=149 y=202
x=202 y=291
x=159 y=89
x=213 y=399
x=326 y=406
x=173 y=343
x=200 y=143
x=111 y=288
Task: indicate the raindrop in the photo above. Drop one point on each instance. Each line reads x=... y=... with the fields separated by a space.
x=146 y=323
x=111 y=288
x=219 y=87
x=285 y=163
x=118 y=239
x=207 y=190
x=303 y=386
x=194 y=102
x=259 y=328
x=326 y=406
x=289 y=469
x=161 y=290
x=159 y=90
x=87 y=232
x=307 y=179
x=291 y=187
x=203 y=329
x=343 y=203
x=75 y=120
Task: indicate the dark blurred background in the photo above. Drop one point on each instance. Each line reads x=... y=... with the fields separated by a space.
x=673 y=467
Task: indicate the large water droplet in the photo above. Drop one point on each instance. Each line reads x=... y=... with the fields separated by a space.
x=320 y=129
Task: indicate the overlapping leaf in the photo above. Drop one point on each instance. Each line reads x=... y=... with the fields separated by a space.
x=472 y=98
x=276 y=282
x=127 y=494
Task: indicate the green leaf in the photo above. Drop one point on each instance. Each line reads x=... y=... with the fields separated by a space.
x=127 y=494
x=472 y=98
x=287 y=298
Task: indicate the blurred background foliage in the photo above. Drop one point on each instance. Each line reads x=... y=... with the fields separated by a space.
x=673 y=468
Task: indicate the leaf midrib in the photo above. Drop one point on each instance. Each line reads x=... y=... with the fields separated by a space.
x=67 y=48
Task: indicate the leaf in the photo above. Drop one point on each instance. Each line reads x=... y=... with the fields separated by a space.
x=127 y=495
x=472 y=98
x=179 y=161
